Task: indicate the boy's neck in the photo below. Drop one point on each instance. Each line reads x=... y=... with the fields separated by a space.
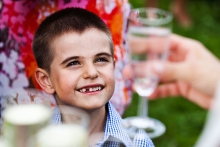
x=97 y=120
x=97 y=125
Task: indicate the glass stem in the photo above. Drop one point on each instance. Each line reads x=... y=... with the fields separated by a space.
x=143 y=107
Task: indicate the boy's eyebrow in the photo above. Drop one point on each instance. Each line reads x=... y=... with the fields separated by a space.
x=104 y=53
x=69 y=58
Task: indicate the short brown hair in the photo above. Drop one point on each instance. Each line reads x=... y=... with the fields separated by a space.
x=64 y=21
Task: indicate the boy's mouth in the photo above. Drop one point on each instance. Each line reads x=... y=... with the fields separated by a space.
x=90 y=89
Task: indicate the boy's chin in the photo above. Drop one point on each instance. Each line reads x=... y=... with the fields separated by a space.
x=91 y=108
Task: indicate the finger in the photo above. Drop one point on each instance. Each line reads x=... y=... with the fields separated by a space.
x=171 y=89
x=200 y=99
x=162 y=91
x=171 y=71
x=139 y=45
x=176 y=41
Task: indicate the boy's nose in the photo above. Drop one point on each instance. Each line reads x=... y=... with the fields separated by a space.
x=90 y=72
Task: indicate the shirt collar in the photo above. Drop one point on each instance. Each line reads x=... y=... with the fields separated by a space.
x=113 y=128
x=56 y=116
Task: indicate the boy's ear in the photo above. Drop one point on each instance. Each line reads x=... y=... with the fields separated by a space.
x=114 y=60
x=44 y=81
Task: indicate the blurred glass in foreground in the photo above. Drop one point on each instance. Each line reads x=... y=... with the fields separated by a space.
x=31 y=118
x=211 y=133
x=25 y=112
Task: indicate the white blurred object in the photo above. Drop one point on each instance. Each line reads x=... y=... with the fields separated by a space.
x=210 y=136
x=63 y=135
x=2 y=143
x=22 y=121
x=68 y=128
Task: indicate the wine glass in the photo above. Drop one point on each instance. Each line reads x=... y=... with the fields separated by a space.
x=25 y=111
x=148 y=43
x=69 y=127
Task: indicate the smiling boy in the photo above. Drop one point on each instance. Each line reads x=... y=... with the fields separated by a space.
x=74 y=52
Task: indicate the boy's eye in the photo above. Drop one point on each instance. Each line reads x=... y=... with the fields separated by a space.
x=101 y=60
x=73 y=63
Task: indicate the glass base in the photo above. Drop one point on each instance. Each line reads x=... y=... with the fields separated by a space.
x=153 y=127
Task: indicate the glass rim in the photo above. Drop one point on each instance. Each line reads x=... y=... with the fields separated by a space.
x=161 y=21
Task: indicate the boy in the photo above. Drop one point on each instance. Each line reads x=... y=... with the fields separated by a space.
x=74 y=52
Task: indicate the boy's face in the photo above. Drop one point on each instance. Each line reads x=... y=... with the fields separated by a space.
x=82 y=72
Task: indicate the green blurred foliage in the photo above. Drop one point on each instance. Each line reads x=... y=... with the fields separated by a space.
x=184 y=120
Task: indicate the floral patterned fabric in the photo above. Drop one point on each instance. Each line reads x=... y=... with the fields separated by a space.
x=20 y=19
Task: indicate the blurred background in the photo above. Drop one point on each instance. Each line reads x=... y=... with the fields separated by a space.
x=184 y=120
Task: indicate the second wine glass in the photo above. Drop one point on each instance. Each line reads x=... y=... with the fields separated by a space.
x=148 y=43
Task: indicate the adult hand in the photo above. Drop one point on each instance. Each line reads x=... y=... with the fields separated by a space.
x=191 y=71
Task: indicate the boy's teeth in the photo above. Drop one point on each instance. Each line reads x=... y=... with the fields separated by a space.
x=90 y=89
x=83 y=90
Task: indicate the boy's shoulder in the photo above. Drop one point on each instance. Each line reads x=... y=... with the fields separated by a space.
x=114 y=131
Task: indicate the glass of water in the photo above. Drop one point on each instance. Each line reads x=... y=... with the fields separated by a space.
x=68 y=128
x=148 y=43
x=24 y=112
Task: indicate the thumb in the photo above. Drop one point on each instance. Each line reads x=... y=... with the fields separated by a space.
x=169 y=71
